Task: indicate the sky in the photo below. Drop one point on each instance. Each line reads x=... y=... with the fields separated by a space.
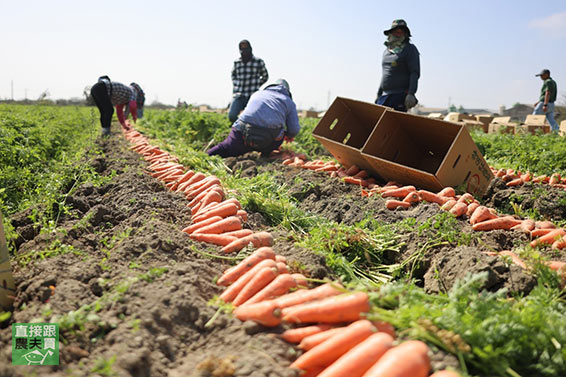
x=477 y=54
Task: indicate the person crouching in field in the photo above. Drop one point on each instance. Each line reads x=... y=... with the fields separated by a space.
x=269 y=118
x=140 y=100
x=106 y=95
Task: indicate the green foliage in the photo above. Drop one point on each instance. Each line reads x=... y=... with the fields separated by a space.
x=103 y=366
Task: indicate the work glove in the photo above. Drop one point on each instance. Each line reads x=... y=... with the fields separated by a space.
x=410 y=101
x=288 y=139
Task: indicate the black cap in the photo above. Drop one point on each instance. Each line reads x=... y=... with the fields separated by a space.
x=543 y=72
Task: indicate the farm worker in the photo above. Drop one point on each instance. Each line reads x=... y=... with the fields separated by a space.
x=269 y=119
x=106 y=95
x=248 y=75
x=401 y=69
x=140 y=100
x=545 y=104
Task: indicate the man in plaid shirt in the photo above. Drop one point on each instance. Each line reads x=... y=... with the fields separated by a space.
x=248 y=74
x=106 y=95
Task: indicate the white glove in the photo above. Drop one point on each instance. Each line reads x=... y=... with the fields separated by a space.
x=410 y=101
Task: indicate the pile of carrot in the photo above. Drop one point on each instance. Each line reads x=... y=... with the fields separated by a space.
x=518 y=178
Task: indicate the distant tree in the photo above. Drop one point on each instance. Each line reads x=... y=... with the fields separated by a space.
x=461 y=109
x=452 y=109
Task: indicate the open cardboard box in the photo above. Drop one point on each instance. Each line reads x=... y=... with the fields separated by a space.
x=505 y=128
x=474 y=125
x=345 y=127
x=427 y=153
x=563 y=128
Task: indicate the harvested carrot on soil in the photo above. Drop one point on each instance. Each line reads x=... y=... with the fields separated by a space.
x=343 y=308
x=266 y=313
x=243 y=215
x=352 y=170
x=448 y=205
x=448 y=192
x=232 y=291
x=481 y=213
x=400 y=192
x=329 y=351
x=394 y=204
x=431 y=197
x=514 y=257
x=466 y=198
x=545 y=224
x=505 y=222
x=257 y=239
x=241 y=268
x=540 y=232
x=526 y=226
x=259 y=281
x=223 y=211
x=301 y=296
x=412 y=197
x=471 y=208
x=559 y=244
x=459 y=209
x=311 y=341
x=548 y=239
x=192 y=228
x=355 y=181
x=222 y=226
x=356 y=361
x=298 y=334
x=409 y=359
x=215 y=239
x=277 y=287
x=280 y=258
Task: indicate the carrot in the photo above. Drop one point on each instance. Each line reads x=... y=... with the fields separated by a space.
x=192 y=228
x=356 y=361
x=514 y=257
x=301 y=280
x=412 y=197
x=193 y=193
x=355 y=181
x=466 y=198
x=223 y=211
x=554 y=179
x=278 y=286
x=215 y=239
x=540 y=232
x=329 y=351
x=505 y=222
x=257 y=239
x=222 y=226
x=459 y=209
x=400 y=192
x=301 y=296
x=197 y=200
x=471 y=208
x=282 y=267
x=311 y=341
x=212 y=206
x=431 y=197
x=239 y=233
x=280 y=258
x=515 y=182
x=556 y=265
x=216 y=195
x=241 y=268
x=394 y=204
x=352 y=170
x=194 y=179
x=448 y=205
x=385 y=327
x=525 y=226
x=527 y=177
x=232 y=291
x=409 y=359
x=481 y=213
x=326 y=168
x=445 y=373
x=559 y=244
x=259 y=281
x=266 y=313
x=544 y=225
x=362 y=174
x=243 y=215
x=549 y=238
x=448 y=192
x=342 y=308
x=298 y=334
x=185 y=177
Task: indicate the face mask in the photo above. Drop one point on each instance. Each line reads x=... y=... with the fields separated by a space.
x=246 y=53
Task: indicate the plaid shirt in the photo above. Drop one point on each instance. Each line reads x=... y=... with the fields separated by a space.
x=248 y=77
x=120 y=93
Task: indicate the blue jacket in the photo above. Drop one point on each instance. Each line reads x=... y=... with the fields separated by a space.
x=271 y=108
x=401 y=71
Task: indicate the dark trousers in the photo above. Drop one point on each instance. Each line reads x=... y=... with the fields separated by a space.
x=102 y=101
x=238 y=104
x=234 y=146
x=395 y=101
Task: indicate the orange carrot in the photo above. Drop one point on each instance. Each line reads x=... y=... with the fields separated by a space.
x=505 y=222
x=355 y=181
x=241 y=268
x=301 y=280
x=385 y=327
x=197 y=200
x=215 y=239
x=232 y=291
x=257 y=283
x=481 y=213
x=329 y=351
x=184 y=178
x=400 y=192
x=448 y=192
x=194 y=179
x=311 y=341
x=362 y=174
x=298 y=334
x=239 y=233
x=282 y=267
x=559 y=244
x=216 y=195
x=277 y=287
x=549 y=238
x=280 y=258
x=448 y=205
x=222 y=226
x=554 y=179
x=445 y=373
x=526 y=226
x=527 y=177
x=343 y=308
x=556 y=265
x=301 y=296
x=515 y=182
x=192 y=228
x=459 y=209
x=352 y=170
x=356 y=361
x=223 y=211
x=257 y=239
x=193 y=193
x=540 y=232
x=243 y=215
x=544 y=225
x=394 y=204
x=471 y=208
x=409 y=359
x=431 y=197
x=514 y=257
x=412 y=197
x=265 y=313
x=466 y=198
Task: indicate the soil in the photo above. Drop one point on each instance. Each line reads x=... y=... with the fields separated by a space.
x=132 y=292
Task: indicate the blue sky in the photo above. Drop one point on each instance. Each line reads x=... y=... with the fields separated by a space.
x=479 y=54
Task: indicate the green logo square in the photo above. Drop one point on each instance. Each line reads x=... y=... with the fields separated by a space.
x=35 y=344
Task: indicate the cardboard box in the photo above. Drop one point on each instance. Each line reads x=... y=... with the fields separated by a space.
x=308 y=114
x=506 y=128
x=345 y=127
x=563 y=128
x=474 y=124
x=435 y=116
x=535 y=120
x=426 y=153
x=485 y=119
x=7 y=286
x=501 y=120
x=457 y=117
x=533 y=129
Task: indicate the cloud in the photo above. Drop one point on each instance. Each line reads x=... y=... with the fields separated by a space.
x=554 y=24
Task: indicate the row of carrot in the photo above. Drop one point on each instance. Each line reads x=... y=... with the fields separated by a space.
x=480 y=217
x=340 y=342
x=518 y=178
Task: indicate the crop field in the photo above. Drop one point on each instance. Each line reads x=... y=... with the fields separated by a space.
x=96 y=239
